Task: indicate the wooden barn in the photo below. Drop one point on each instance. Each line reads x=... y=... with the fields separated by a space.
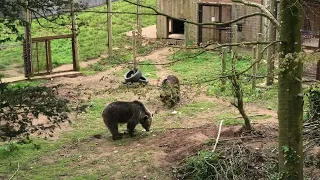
x=206 y=11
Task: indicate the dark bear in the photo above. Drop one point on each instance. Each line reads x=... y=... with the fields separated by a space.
x=132 y=113
x=170 y=91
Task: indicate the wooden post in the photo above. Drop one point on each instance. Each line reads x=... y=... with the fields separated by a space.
x=318 y=71
x=27 y=42
x=75 y=50
x=319 y=38
x=139 y=24
x=223 y=68
x=234 y=40
x=259 y=49
x=272 y=50
x=109 y=21
x=186 y=34
x=134 y=50
x=47 y=55
x=254 y=68
x=37 y=48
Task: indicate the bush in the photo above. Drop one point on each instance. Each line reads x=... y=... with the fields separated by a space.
x=20 y=106
x=313 y=95
x=234 y=162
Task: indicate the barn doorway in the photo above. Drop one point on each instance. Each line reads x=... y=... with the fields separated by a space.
x=175 y=28
x=209 y=13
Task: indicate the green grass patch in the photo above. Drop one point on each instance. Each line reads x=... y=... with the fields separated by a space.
x=195 y=108
x=229 y=119
x=23 y=84
x=92 y=34
x=206 y=69
x=148 y=70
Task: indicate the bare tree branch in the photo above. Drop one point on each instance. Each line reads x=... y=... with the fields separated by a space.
x=262 y=8
x=266 y=14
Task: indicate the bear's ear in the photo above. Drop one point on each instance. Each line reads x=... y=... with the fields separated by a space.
x=144 y=119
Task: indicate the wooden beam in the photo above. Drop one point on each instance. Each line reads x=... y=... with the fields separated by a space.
x=41 y=39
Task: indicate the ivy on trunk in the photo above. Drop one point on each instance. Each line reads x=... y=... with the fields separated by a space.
x=290 y=97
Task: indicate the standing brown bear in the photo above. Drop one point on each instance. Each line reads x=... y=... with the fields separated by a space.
x=132 y=113
x=170 y=91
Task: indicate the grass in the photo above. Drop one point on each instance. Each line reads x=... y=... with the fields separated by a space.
x=148 y=70
x=75 y=155
x=229 y=118
x=92 y=34
x=195 y=108
x=26 y=83
x=206 y=67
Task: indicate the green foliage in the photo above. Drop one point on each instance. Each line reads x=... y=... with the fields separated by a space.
x=291 y=158
x=313 y=95
x=24 y=84
x=19 y=106
x=200 y=166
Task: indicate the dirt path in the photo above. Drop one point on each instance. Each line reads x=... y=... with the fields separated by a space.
x=83 y=64
x=13 y=70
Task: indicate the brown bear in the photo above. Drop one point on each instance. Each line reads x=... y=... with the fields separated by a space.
x=170 y=91
x=132 y=113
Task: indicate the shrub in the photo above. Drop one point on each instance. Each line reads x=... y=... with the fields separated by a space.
x=20 y=106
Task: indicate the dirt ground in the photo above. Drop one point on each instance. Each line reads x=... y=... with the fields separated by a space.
x=167 y=146
x=151 y=156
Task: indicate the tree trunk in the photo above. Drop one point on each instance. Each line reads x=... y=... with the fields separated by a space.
x=290 y=97
x=272 y=49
